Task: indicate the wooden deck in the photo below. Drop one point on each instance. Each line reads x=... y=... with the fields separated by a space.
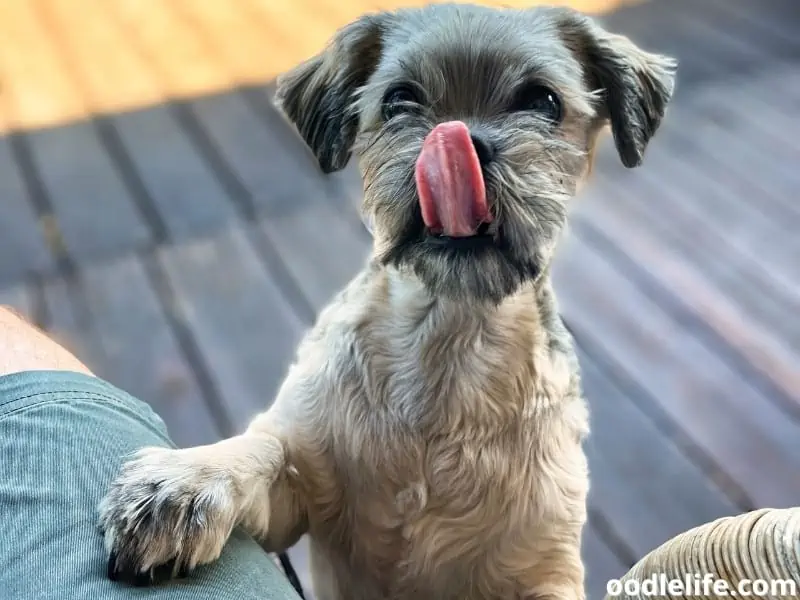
x=158 y=216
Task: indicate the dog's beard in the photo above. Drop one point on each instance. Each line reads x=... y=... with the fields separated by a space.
x=487 y=269
x=482 y=272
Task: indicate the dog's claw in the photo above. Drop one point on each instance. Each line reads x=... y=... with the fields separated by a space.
x=163 y=573
x=160 y=574
x=118 y=572
x=141 y=579
x=112 y=572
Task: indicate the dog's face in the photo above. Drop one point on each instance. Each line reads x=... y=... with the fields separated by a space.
x=474 y=127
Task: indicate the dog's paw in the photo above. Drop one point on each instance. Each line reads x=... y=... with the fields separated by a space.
x=165 y=514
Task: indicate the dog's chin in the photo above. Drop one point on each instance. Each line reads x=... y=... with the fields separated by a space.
x=483 y=268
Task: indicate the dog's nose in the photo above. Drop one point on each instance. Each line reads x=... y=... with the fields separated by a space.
x=483 y=148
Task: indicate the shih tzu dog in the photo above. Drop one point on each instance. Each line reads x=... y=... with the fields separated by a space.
x=428 y=437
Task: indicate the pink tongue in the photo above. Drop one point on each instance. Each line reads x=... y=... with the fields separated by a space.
x=452 y=194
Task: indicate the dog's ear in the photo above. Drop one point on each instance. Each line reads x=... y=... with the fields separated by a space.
x=636 y=85
x=318 y=95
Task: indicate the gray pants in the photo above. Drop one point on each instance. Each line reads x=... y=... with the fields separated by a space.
x=63 y=437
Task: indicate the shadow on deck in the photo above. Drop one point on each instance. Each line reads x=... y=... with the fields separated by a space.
x=182 y=250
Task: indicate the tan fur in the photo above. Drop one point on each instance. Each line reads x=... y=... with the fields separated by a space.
x=470 y=480
x=428 y=437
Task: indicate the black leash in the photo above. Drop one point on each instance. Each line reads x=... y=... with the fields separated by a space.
x=291 y=574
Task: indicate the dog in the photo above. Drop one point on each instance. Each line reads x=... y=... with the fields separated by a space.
x=428 y=438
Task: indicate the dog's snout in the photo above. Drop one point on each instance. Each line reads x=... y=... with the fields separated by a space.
x=483 y=148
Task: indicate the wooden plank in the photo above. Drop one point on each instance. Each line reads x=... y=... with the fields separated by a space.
x=261 y=162
x=741 y=432
x=321 y=249
x=239 y=317
x=777 y=19
x=140 y=352
x=733 y=307
x=600 y=562
x=114 y=325
x=109 y=81
x=19 y=298
x=733 y=40
x=742 y=183
x=705 y=180
x=722 y=171
x=645 y=487
x=658 y=27
x=316 y=19
x=770 y=351
x=187 y=197
x=788 y=74
x=733 y=107
x=22 y=244
x=186 y=70
x=90 y=202
x=244 y=53
x=710 y=40
x=710 y=225
x=36 y=90
x=273 y=166
x=66 y=321
x=95 y=213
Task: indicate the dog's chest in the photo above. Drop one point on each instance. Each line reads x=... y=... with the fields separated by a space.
x=428 y=460
x=419 y=522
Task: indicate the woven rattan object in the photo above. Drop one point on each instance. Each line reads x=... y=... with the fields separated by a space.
x=754 y=552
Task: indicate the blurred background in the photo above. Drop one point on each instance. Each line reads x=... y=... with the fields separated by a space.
x=160 y=218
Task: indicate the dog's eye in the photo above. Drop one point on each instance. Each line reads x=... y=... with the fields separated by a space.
x=542 y=100
x=399 y=99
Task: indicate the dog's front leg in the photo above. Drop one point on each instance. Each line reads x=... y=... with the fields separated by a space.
x=171 y=510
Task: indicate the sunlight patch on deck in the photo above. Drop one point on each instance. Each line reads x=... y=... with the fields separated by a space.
x=62 y=61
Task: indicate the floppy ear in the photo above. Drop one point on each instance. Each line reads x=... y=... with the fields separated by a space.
x=317 y=96
x=636 y=85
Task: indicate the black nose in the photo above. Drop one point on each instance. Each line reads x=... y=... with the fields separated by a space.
x=484 y=149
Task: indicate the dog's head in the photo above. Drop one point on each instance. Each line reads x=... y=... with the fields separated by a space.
x=473 y=128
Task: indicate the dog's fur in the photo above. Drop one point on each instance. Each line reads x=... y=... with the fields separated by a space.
x=428 y=437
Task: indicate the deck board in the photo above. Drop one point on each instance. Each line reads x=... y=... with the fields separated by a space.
x=160 y=152
x=89 y=200
x=625 y=449
x=19 y=298
x=66 y=320
x=249 y=151
x=776 y=19
x=724 y=259
x=140 y=353
x=297 y=238
x=746 y=435
x=256 y=157
x=23 y=248
x=166 y=222
x=95 y=212
x=602 y=564
x=243 y=324
x=723 y=315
